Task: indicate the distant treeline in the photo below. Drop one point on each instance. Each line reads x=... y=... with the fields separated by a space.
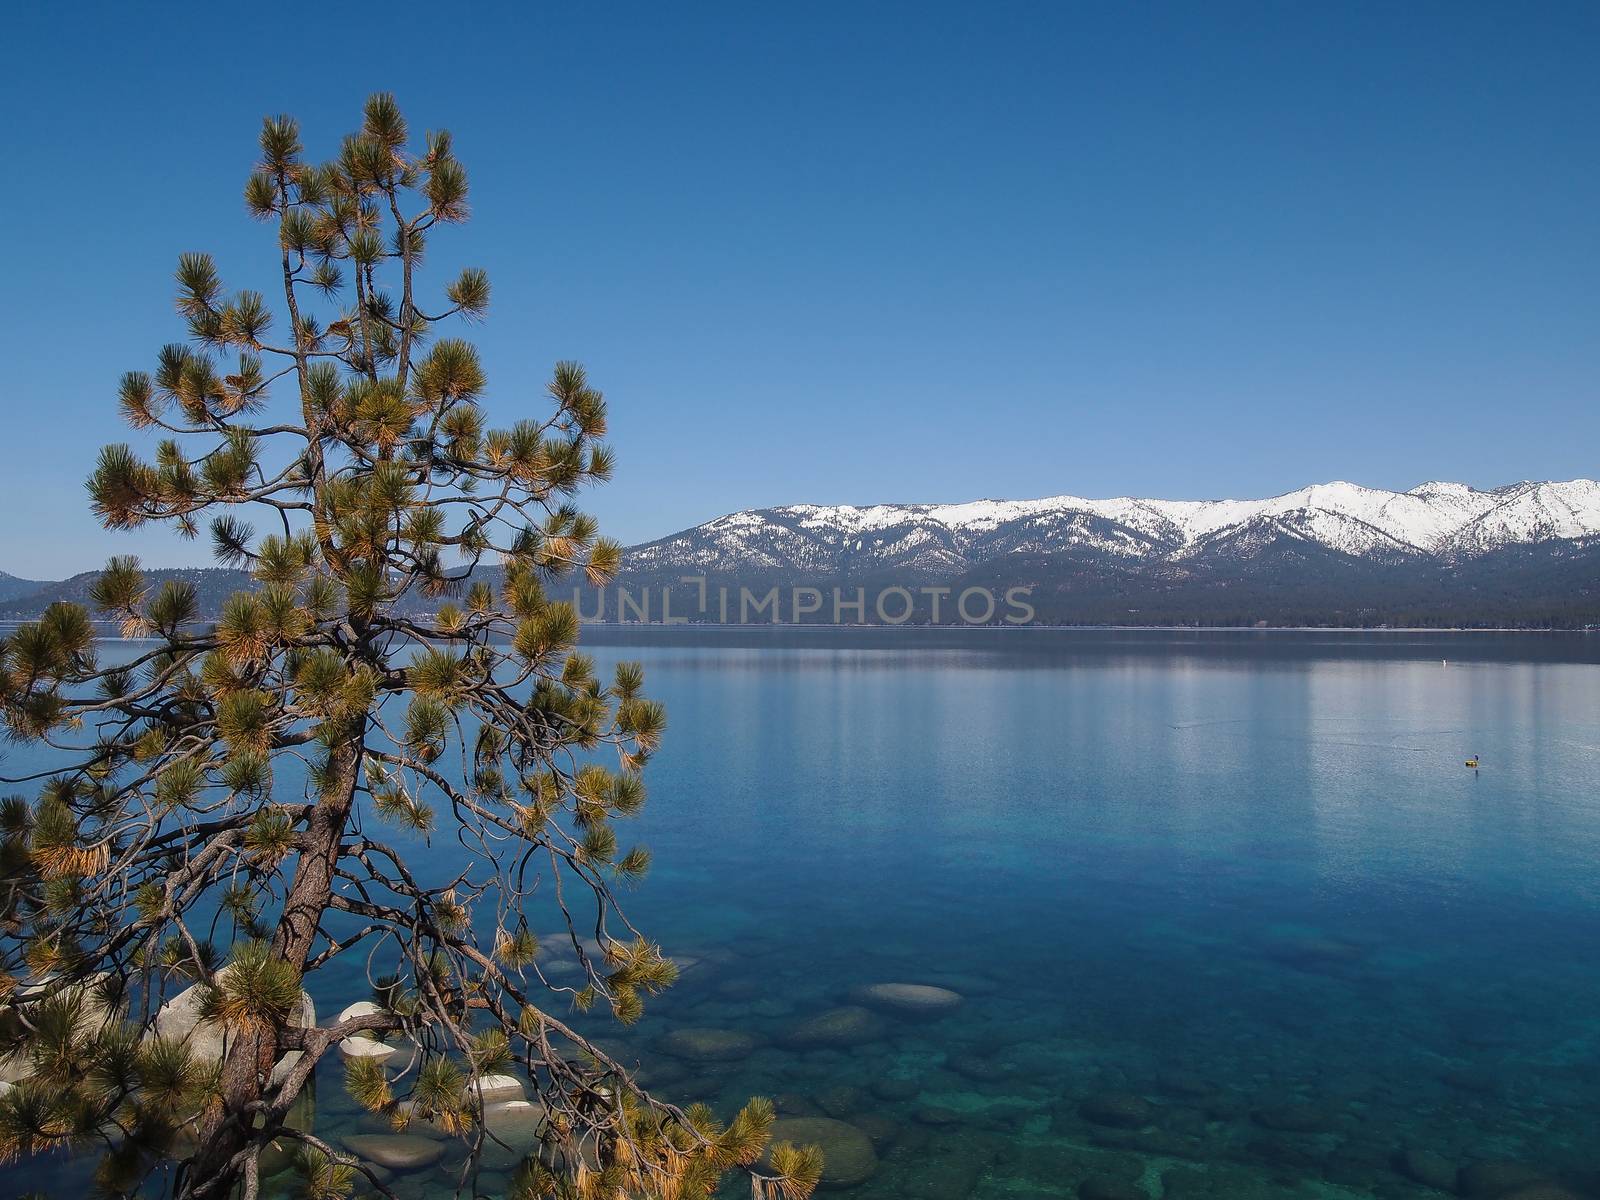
x=1540 y=586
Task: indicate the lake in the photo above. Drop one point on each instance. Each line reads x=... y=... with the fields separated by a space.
x=1227 y=914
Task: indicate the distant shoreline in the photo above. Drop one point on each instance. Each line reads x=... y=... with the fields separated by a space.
x=819 y=625
x=823 y=627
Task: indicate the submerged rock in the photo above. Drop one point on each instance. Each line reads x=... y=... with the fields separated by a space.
x=1492 y=1179
x=1542 y=1191
x=847 y=1026
x=881 y=1129
x=278 y=1155
x=1224 y=1107
x=512 y=1128
x=397 y=1151
x=1315 y=952
x=1119 y=1110
x=661 y=1072
x=789 y=1104
x=1427 y=1168
x=739 y=988
x=1103 y=1187
x=842 y=1100
x=966 y=983
x=1467 y=1079
x=1294 y=1117
x=976 y=1067
x=1190 y=1122
x=847 y=1154
x=411 y=1121
x=1153 y=1143
x=1183 y=1083
x=710 y=1045
x=918 y=1000
x=365 y=1044
x=952 y=1174
x=492 y=1089
x=358 y=1047
x=896 y=1089
x=1218 y=1182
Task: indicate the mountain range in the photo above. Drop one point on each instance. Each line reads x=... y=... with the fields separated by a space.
x=1442 y=521
x=1527 y=554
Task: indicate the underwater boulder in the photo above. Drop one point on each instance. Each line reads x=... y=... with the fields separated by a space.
x=660 y=1072
x=848 y=1158
x=361 y=1008
x=493 y=1089
x=397 y=1151
x=410 y=1120
x=1103 y=1187
x=515 y=1122
x=841 y=1100
x=1471 y=1080
x=1183 y=1120
x=1427 y=1168
x=850 y=1025
x=1315 y=952
x=944 y=1174
x=919 y=1001
x=977 y=1067
x=710 y=1045
x=278 y=1155
x=511 y=1129
x=1496 y=1178
x=895 y=1089
x=1294 y=1116
x=1118 y=1110
x=1542 y=1191
x=1178 y=1082
x=560 y=965
x=688 y=963
x=358 y=1046
x=791 y=1104
x=881 y=1129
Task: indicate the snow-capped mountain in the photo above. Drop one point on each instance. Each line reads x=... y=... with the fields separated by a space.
x=1441 y=554
x=1441 y=522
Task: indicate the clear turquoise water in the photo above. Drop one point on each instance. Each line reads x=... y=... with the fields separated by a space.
x=1227 y=883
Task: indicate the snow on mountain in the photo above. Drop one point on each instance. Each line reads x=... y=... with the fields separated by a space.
x=1533 y=512
x=1439 y=520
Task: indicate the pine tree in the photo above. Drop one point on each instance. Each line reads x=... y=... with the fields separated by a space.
x=399 y=662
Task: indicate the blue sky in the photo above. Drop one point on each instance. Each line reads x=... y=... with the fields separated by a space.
x=848 y=253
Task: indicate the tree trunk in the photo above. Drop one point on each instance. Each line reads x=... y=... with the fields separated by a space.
x=250 y=1057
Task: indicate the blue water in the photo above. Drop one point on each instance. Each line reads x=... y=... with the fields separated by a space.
x=1236 y=891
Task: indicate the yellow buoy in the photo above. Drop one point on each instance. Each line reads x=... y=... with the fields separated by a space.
x=1473 y=763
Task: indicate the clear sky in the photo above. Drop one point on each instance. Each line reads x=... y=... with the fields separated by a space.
x=860 y=252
